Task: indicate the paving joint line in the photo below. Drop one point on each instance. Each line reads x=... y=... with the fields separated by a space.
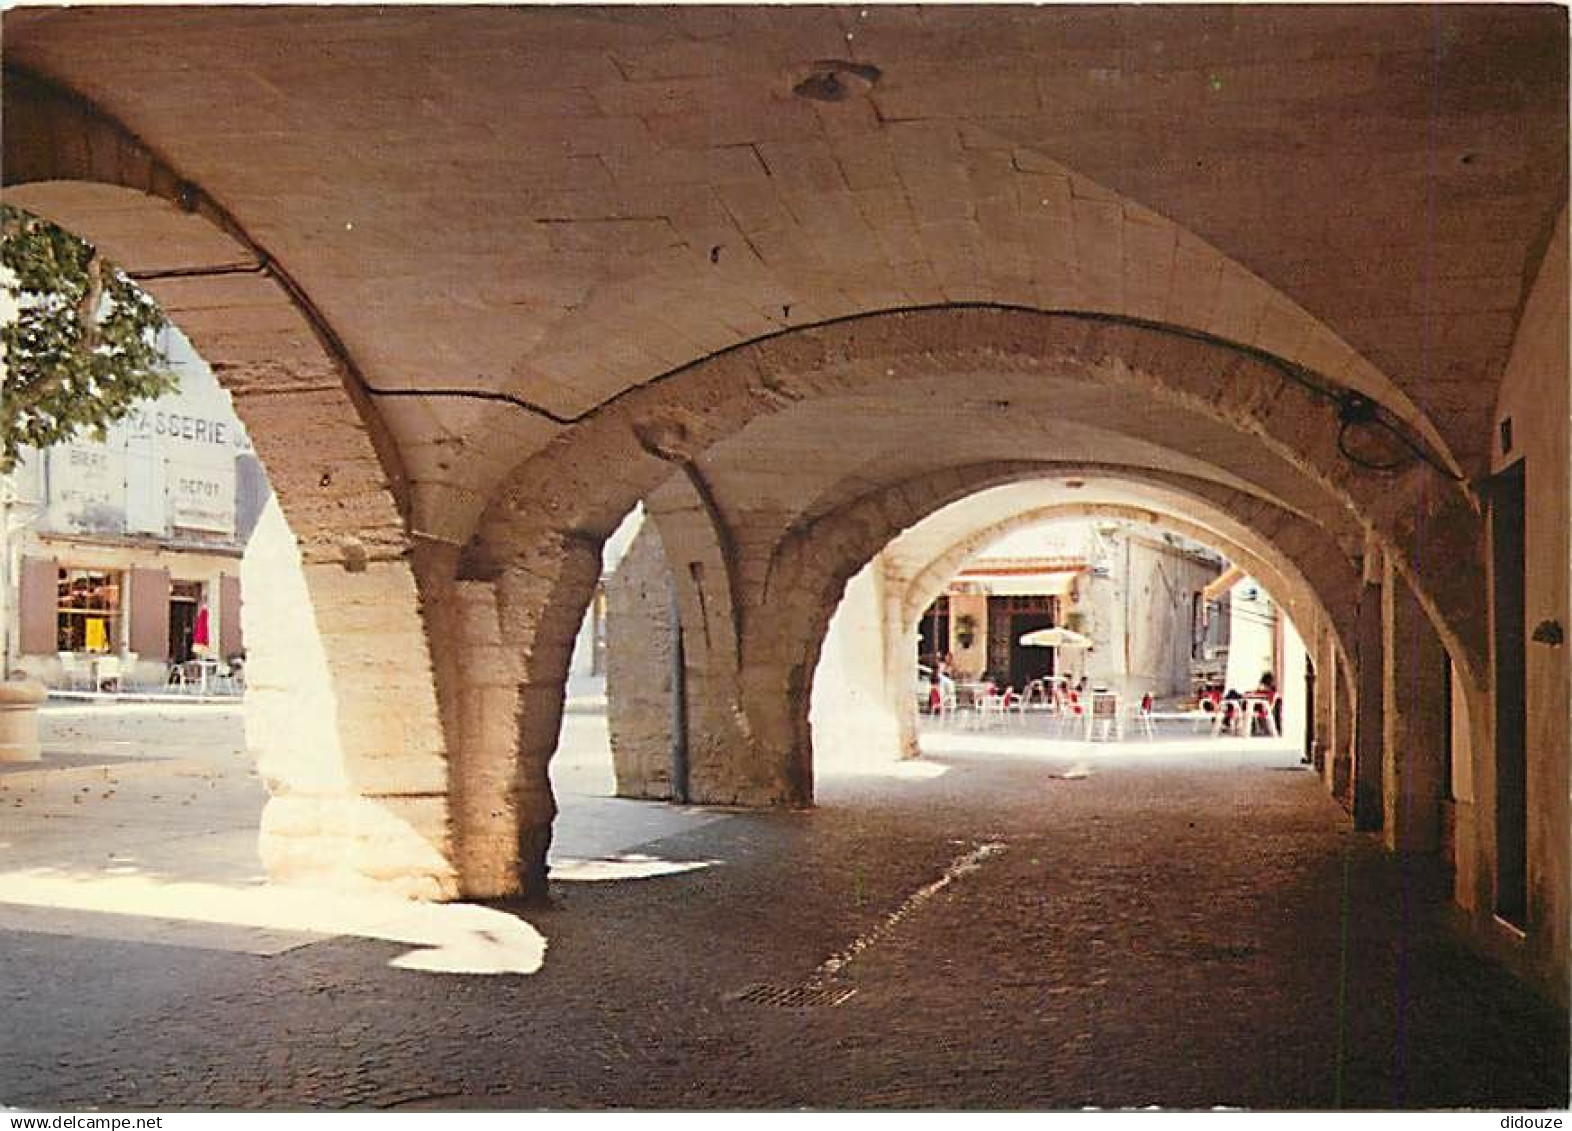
x=962 y=865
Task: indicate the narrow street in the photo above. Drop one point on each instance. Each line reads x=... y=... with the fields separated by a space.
x=999 y=925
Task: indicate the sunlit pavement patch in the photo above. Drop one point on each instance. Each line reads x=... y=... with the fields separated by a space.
x=628 y=866
x=453 y=938
x=911 y=769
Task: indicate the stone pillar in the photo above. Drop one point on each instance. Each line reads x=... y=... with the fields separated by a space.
x=19 y=700
x=1466 y=848
x=342 y=716
x=1340 y=767
x=541 y=597
x=1369 y=727
x=901 y=646
x=747 y=684
x=479 y=677
x=639 y=640
x=1324 y=707
x=1415 y=689
x=744 y=744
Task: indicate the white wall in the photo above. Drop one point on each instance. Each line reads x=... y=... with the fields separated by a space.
x=1296 y=660
x=852 y=718
x=581 y=666
x=1252 y=644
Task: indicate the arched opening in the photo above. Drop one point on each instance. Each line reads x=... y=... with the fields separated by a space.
x=626 y=658
x=356 y=791
x=1255 y=374
x=1164 y=642
x=869 y=701
x=756 y=580
x=573 y=260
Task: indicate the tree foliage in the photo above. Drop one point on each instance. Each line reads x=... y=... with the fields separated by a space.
x=83 y=347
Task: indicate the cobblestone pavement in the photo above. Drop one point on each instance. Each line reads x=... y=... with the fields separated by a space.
x=1022 y=927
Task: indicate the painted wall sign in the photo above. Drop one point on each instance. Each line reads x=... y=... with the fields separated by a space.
x=201 y=496
x=87 y=489
x=168 y=470
x=183 y=426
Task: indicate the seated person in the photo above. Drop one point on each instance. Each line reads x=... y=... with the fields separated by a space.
x=1232 y=702
x=1268 y=699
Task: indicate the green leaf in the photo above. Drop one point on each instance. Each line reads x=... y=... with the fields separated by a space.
x=72 y=364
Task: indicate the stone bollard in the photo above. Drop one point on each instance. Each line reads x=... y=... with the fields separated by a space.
x=19 y=700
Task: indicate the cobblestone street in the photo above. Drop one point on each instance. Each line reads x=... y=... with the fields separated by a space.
x=994 y=926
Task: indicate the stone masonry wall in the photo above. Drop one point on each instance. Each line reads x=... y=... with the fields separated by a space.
x=639 y=668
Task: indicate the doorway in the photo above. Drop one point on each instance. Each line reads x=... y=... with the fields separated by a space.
x=185 y=599
x=933 y=633
x=1028 y=663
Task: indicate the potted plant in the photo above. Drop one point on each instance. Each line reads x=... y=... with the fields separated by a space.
x=966 y=629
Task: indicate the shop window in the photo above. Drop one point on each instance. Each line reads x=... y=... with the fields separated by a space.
x=88 y=611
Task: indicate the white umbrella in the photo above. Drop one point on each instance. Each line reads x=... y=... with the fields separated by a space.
x=1056 y=638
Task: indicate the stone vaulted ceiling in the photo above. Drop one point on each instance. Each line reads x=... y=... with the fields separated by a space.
x=562 y=203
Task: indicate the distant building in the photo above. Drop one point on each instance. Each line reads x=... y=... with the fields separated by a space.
x=589 y=647
x=119 y=547
x=1133 y=592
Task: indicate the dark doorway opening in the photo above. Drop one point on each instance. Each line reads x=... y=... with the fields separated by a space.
x=1310 y=735
x=933 y=633
x=185 y=599
x=1506 y=495
x=1028 y=663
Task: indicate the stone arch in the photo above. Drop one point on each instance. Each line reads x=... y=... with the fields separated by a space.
x=1281 y=578
x=645 y=433
x=732 y=692
x=1288 y=590
x=816 y=563
x=576 y=489
x=342 y=709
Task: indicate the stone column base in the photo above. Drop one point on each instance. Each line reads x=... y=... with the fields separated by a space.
x=19 y=700
x=390 y=845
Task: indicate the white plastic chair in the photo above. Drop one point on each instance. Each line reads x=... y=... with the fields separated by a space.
x=75 y=671
x=991 y=710
x=108 y=670
x=177 y=680
x=1070 y=707
x=1143 y=717
x=1016 y=705
x=1261 y=711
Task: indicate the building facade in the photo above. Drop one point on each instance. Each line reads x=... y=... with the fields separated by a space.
x=1133 y=591
x=130 y=546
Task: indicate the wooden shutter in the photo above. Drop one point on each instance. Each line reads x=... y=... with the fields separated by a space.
x=230 y=638
x=149 y=613
x=40 y=598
